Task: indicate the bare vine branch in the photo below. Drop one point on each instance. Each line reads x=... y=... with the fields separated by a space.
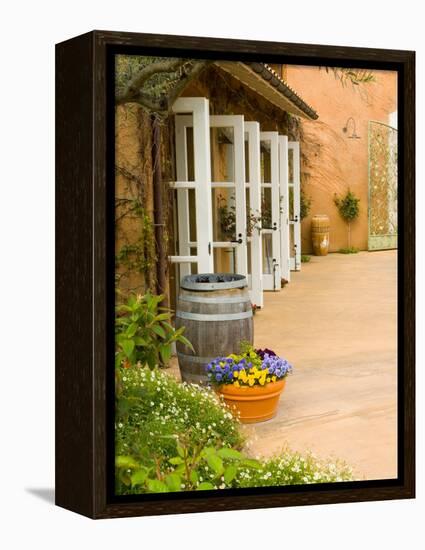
x=134 y=93
x=133 y=88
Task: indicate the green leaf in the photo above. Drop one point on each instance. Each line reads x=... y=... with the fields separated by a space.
x=193 y=476
x=179 y=331
x=186 y=342
x=205 y=486
x=206 y=451
x=165 y=351
x=230 y=473
x=162 y=317
x=231 y=454
x=139 y=477
x=128 y=347
x=159 y=330
x=119 y=358
x=157 y=486
x=139 y=341
x=124 y=308
x=252 y=463
x=131 y=330
x=180 y=451
x=120 y=338
x=128 y=462
x=125 y=478
x=173 y=482
x=176 y=460
x=169 y=327
x=151 y=359
x=180 y=469
x=215 y=463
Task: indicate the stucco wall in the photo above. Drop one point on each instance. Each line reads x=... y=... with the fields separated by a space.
x=330 y=161
x=133 y=172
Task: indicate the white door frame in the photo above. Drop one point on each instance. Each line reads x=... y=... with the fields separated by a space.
x=198 y=108
x=252 y=132
x=295 y=184
x=285 y=267
x=271 y=281
x=236 y=122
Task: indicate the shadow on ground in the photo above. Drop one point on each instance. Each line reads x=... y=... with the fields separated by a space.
x=43 y=493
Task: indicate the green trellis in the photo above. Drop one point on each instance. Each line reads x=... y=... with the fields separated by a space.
x=382 y=206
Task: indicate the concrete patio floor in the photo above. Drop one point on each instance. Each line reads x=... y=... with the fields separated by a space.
x=336 y=323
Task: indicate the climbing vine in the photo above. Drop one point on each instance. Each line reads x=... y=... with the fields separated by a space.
x=135 y=258
x=305 y=204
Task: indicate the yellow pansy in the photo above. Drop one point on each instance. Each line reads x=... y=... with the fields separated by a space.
x=235 y=374
x=262 y=378
x=243 y=376
x=236 y=384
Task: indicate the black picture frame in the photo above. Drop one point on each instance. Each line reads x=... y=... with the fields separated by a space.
x=84 y=292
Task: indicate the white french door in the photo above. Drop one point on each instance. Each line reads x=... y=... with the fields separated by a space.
x=228 y=193
x=196 y=117
x=294 y=184
x=270 y=210
x=285 y=267
x=253 y=211
x=211 y=203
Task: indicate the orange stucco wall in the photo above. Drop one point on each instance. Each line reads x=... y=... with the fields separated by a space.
x=330 y=161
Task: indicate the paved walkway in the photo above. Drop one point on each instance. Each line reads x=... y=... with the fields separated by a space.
x=336 y=323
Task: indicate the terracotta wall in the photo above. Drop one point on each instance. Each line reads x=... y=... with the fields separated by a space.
x=330 y=161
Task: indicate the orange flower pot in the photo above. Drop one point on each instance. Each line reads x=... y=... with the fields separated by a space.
x=255 y=403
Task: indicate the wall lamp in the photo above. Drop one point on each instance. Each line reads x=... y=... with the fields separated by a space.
x=353 y=134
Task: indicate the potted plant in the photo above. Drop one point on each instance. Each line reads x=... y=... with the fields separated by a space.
x=251 y=382
x=348 y=208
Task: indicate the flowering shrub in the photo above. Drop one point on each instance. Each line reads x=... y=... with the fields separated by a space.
x=180 y=437
x=251 y=367
x=156 y=417
x=292 y=468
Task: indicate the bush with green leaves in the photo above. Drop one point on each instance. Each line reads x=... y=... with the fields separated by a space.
x=156 y=417
x=143 y=333
x=181 y=437
x=348 y=250
x=348 y=208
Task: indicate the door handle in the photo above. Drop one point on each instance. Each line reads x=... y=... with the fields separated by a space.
x=294 y=219
x=274 y=226
x=238 y=240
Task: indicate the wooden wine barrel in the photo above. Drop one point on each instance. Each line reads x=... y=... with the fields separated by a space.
x=320 y=234
x=216 y=311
